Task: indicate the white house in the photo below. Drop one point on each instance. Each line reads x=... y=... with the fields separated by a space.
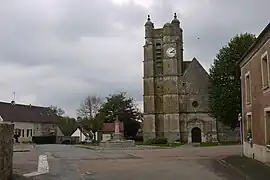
x=81 y=133
x=29 y=121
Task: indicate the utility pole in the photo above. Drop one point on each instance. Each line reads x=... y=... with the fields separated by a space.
x=241 y=133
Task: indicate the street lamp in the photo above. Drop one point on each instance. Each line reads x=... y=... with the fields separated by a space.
x=241 y=132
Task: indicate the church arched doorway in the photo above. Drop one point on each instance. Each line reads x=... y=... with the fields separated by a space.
x=196 y=135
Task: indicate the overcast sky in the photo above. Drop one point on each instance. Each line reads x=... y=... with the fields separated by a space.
x=55 y=52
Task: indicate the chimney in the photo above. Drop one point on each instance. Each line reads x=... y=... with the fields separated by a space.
x=13 y=102
x=30 y=105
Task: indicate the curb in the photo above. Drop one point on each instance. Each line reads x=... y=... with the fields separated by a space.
x=141 y=147
x=19 y=177
x=86 y=147
x=21 y=150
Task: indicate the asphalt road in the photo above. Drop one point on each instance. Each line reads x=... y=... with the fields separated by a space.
x=72 y=163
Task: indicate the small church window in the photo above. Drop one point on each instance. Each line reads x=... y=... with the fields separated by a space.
x=195 y=104
x=159 y=69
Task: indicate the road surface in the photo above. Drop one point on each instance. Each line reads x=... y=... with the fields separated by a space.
x=66 y=162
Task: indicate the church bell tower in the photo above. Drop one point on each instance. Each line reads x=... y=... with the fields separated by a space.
x=163 y=59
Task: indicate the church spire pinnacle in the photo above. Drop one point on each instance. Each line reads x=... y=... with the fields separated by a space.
x=175 y=20
x=148 y=18
x=148 y=22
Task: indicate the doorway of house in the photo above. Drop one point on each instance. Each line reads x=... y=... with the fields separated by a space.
x=196 y=135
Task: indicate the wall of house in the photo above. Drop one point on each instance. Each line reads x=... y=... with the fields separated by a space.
x=260 y=98
x=79 y=134
x=59 y=132
x=259 y=101
x=28 y=130
x=45 y=129
x=6 y=149
x=258 y=152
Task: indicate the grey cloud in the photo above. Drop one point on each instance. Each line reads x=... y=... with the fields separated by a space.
x=60 y=51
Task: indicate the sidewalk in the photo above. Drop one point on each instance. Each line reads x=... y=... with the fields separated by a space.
x=248 y=168
x=20 y=147
x=25 y=162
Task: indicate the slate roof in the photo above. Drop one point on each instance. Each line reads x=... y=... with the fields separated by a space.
x=185 y=65
x=255 y=44
x=26 y=113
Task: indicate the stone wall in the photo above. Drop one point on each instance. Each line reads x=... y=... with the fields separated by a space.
x=227 y=134
x=6 y=151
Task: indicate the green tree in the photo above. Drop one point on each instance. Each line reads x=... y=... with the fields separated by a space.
x=66 y=124
x=94 y=124
x=124 y=107
x=224 y=82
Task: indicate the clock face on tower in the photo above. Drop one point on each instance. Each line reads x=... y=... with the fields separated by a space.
x=171 y=52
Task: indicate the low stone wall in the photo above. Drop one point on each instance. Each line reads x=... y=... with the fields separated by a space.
x=6 y=151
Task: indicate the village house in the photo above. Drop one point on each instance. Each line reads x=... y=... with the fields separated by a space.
x=107 y=131
x=83 y=134
x=255 y=85
x=29 y=121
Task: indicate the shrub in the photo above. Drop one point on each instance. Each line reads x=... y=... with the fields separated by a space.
x=136 y=138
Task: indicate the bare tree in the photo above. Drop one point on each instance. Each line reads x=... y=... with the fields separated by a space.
x=89 y=106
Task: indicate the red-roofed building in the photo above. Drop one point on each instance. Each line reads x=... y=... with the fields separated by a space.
x=108 y=130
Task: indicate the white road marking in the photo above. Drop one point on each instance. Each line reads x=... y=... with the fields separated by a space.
x=43 y=167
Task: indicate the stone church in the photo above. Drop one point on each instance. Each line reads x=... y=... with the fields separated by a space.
x=175 y=91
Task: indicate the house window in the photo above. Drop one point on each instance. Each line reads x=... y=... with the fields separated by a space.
x=29 y=133
x=265 y=70
x=267 y=125
x=18 y=132
x=22 y=132
x=249 y=123
x=248 y=88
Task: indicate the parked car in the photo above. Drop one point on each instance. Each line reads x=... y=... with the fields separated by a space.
x=87 y=140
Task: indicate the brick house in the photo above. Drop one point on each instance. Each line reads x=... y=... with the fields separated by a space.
x=107 y=131
x=255 y=86
x=29 y=121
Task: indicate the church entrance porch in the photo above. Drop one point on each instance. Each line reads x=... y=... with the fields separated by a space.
x=196 y=135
